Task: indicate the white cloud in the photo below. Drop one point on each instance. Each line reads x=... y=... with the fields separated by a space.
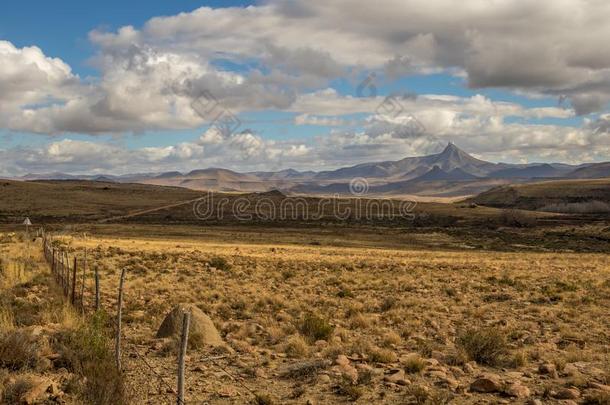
x=289 y=52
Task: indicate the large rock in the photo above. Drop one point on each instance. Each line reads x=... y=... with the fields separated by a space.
x=517 y=390
x=202 y=328
x=486 y=384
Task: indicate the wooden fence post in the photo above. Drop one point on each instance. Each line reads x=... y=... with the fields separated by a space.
x=97 y=289
x=74 y=281
x=66 y=274
x=186 y=321
x=61 y=271
x=118 y=321
x=82 y=286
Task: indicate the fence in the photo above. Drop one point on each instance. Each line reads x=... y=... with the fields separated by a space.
x=65 y=268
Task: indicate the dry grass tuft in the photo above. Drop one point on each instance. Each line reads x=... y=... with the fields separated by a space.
x=316 y=328
x=20 y=349
x=484 y=345
x=296 y=347
x=414 y=364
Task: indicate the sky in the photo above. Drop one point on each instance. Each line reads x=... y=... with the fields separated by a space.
x=153 y=86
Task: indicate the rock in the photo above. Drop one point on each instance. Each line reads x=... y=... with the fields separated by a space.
x=201 y=326
x=38 y=390
x=533 y=402
x=486 y=384
x=470 y=368
x=548 y=369
x=571 y=370
x=260 y=373
x=600 y=387
x=349 y=372
x=342 y=360
x=517 y=390
x=303 y=368
x=449 y=382
x=396 y=377
x=567 y=393
x=323 y=379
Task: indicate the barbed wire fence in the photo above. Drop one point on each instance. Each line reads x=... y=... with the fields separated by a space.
x=64 y=265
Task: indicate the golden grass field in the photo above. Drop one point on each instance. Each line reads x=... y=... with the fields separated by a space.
x=339 y=322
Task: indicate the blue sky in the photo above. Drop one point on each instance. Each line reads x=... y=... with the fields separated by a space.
x=290 y=71
x=61 y=27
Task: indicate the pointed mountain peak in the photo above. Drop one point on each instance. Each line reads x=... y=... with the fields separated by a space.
x=453 y=153
x=451 y=149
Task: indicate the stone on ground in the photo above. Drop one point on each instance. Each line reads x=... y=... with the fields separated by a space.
x=201 y=327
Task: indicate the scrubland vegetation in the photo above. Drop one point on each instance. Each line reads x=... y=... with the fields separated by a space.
x=48 y=352
x=336 y=324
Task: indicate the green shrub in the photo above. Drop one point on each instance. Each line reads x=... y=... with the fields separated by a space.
x=87 y=352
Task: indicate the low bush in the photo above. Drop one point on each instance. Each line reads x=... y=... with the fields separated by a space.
x=484 y=345
x=87 y=352
x=316 y=328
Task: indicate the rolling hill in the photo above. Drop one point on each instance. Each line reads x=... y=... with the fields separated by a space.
x=594 y=171
x=570 y=196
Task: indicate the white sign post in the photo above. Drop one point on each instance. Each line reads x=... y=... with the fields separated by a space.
x=27 y=224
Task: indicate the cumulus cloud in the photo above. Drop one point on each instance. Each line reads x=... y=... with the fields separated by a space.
x=516 y=45
x=286 y=55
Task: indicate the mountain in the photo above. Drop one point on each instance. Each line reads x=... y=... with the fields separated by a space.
x=286 y=174
x=452 y=172
x=541 y=170
x=594 y=171
x=450 y=158
x=213 y=179
x=436 y=173
x=168 y=175
x=48 y=176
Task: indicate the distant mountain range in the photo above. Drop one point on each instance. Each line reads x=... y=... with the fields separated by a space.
x=449 y=173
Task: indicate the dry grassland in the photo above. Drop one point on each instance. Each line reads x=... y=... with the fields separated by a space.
x=331 y=324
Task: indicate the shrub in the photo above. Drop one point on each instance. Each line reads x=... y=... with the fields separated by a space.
x=88 y=353
x=19 y=349
x=382 y=356
x=421 y=395
x=414 y=364
x=16 y=390
x=219 y=263
x=517 y=219
x=484 y=345
x=316 y=328
x=346 y=388
x=387 y=304
x=345 y=292
x=585 y=207
x=7 y=319
x=262 y=399
x=296 y=346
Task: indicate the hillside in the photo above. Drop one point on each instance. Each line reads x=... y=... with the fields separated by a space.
x=578 y=196
x=595 y=171
x=72 y=200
